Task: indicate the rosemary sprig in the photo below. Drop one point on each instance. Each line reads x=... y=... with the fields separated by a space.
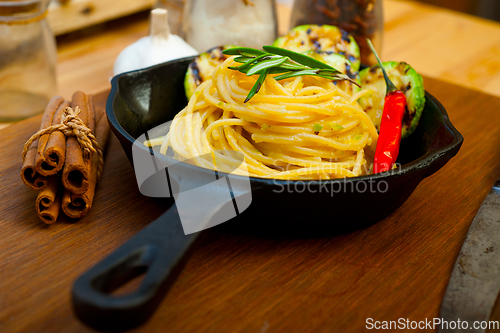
x=275 y=60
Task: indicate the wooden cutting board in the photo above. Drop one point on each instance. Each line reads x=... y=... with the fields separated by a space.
x=397 y=268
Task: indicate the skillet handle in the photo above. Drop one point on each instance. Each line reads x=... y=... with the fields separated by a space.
x=160 y=250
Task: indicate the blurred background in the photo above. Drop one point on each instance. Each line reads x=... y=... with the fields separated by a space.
x=489 y=9
x=70 y=15
x=91 y=33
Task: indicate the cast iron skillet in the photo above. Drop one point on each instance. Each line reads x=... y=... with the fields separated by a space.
x=143 y=99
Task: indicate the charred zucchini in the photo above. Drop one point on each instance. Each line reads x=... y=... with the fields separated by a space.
x=342 y=64
x=327 y=41
x=406 y=79
x=335 y=60
x=201 y=68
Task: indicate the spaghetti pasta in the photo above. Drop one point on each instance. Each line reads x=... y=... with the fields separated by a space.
x=304 y=127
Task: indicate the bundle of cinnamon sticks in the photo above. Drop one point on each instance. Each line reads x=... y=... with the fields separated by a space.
x=56 y=164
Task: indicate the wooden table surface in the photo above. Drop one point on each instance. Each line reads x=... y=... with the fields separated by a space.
x=248 y=280
x=397 y=268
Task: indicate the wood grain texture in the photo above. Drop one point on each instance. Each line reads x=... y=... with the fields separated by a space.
x=443 y=44
x=240 y=281
x=64 y=17
x=39 y=262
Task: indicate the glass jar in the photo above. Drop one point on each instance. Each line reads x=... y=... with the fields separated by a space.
x=211 y=23
x=361 y=18
x=28 y=59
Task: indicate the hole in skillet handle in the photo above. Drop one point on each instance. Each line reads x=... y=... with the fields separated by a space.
x=131 y=282
x=160 y=250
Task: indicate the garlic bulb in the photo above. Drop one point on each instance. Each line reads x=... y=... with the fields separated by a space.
x=160 y=46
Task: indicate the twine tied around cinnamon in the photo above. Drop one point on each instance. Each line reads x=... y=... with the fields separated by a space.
x=72 y=125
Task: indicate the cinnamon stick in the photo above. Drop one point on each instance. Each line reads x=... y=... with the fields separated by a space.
x=76 y=170
x=77 y=205
x=28 y=173
x=55 y=149
x=48 y=201
x=47 y=119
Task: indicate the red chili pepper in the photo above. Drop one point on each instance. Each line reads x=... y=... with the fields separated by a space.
x=391 y=124
x=390 y=131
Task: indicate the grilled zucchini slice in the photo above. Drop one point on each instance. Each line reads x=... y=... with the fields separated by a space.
x=335 y=60
x=202 y=67
x=406 y=79
x=326 y=41
x=342 y=64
